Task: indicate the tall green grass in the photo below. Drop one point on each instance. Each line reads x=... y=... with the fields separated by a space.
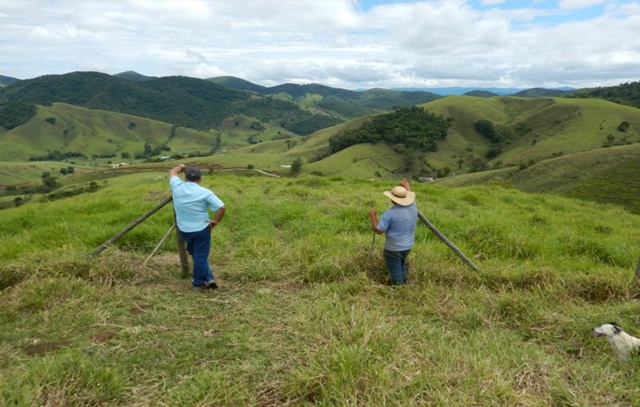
x=303 y=315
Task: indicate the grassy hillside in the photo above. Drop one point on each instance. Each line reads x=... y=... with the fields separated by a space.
x=274 y=155
x=608 y=175
x=361 y=161
x=558 y=126
x=12 y=173
x=67 y=128
x=303 y=316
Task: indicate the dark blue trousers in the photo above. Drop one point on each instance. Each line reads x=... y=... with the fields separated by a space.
x=199 y=246
x=397 y=265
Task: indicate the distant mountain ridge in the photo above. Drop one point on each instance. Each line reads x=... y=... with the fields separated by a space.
x=434 y=93
x=359 y=103
x=481 y=93
x=540 y=92
x=202 y=104
x=458 y=90
x=183 y=101
x=6 y=80
x=134 y=76
x=238 y=83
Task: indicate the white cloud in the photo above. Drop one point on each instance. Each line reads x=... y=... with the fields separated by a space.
x=334 y=42
x=577 y=4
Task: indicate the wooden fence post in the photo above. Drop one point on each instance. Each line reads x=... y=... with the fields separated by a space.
x=182 y=249
x=132 y=225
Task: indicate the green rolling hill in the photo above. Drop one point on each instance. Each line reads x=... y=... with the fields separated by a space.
x=608 y=175
x=580 y=147
x=562 y=153
x=556 y=126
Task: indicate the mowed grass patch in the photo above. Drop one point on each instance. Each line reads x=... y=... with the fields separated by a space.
x=303 y=315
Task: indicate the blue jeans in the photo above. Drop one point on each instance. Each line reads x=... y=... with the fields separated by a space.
x=397 y=265
x=198 y=246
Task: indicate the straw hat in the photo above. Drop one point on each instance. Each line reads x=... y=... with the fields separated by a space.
x=401 y=196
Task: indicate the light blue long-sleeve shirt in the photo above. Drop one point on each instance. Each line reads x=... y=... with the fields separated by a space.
x=399 y=223
x=191 y=203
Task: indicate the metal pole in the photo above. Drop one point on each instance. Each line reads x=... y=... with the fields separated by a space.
x=447 y=241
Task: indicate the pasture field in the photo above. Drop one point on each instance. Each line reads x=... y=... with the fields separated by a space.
x=303 y=315
x=559 y=126
x=607 y=175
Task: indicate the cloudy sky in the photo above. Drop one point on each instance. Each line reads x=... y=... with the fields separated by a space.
x=351 y=44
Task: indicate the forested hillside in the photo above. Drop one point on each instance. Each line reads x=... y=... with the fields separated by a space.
x=624 y=94
x=182 y=101
x=5 y=80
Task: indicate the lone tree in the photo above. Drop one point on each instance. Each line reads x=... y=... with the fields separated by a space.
x=296 y=166
x=624 y=126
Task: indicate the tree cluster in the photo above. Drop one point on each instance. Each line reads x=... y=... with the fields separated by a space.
x=624 y=94
x=92 y=187
x=13 y=114
x=57 y=155
x=413 y=127
x=499 y=135
x=151 y=152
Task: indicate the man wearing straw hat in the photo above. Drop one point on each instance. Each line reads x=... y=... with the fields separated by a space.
x=399 y=224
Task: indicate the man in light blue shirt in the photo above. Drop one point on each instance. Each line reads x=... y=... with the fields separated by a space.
x=192 y=203
x=399 y=223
